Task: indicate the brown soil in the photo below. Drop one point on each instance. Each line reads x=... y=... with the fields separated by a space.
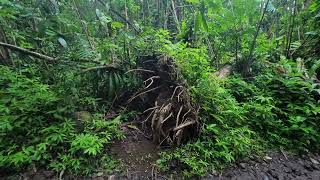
x=136 y=153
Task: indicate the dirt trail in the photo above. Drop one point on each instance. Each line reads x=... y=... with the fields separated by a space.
x=137 y=155
x=275 y=166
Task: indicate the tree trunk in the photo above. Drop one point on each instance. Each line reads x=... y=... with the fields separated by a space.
x=250 y=58
x=4 y=52
x=291 y=28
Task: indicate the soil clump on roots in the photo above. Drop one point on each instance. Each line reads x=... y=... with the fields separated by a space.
x=166 y=106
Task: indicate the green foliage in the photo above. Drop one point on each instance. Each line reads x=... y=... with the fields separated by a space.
x=108 y=84
x=43 y=131
x=87 y=143
x=225 y=136
x=281 y=107
x=275 y=109
x=207 y=153
x=97 y=43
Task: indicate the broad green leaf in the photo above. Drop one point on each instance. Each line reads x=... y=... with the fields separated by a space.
x=63 y=42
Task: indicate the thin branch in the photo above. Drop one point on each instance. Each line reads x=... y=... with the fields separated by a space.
x=42 y=56
x=249 y=62
x=143 y=70
x=26 y=51
x=84 y=27
x=291 y=28
x=121 y=17
x=175 y=15
x=107 y=67
x=4 y=53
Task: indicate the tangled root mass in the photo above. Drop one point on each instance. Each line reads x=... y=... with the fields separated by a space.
x=168 y=110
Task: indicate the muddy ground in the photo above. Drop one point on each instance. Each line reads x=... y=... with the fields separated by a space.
x=138 y=157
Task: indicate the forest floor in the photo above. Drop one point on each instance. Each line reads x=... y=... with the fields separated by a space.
x=138 y=156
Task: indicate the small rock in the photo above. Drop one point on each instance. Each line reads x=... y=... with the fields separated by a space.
x=99 y=174
x=314 y=161
x=48 y=174
x=268 y=158
x=265 y=177
x=112 y=177
x=243 y=165
x=280 y=177
x=315 y=167
x=98 y=178
x=210 y=176
x=39 y=177
x=214 y=172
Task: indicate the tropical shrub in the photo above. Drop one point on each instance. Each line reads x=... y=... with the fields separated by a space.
x=225 y=135
x=37 y=128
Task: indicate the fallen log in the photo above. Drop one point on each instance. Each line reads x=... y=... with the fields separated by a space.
x=28 y=52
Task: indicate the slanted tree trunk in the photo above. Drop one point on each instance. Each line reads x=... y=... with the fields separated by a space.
x=176 y=19
x=84 y=26
x=291 y=28
x=249 y=62
x=4 y=52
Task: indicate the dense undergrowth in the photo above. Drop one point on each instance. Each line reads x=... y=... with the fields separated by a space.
x=64 y=114
x=37 y=127
x=273 y=110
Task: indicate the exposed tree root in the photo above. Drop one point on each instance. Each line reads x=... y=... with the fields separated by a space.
x=168 y=110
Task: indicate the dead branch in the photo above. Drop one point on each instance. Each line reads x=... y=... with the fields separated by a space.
x=164 y=140
x=84 y=26
x=28 y=52
x=135 y=28
x=42 y=56
x=143 y=70
x=4 y=53
x=107 y=67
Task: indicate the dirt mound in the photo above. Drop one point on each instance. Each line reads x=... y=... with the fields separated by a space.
x=167 y=108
